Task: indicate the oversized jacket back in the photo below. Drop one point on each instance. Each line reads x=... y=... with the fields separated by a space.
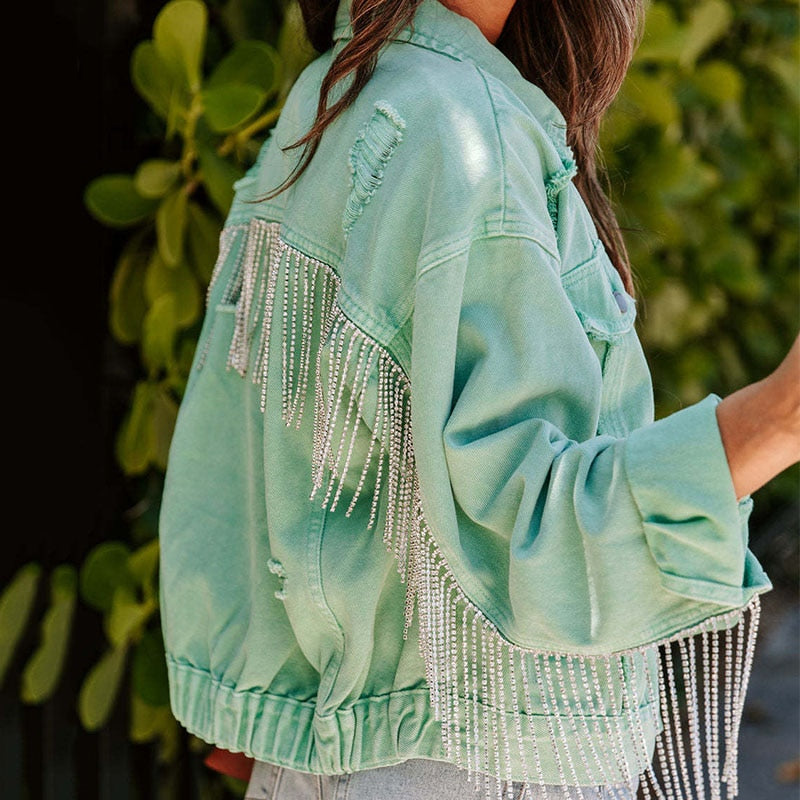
x=416 y=502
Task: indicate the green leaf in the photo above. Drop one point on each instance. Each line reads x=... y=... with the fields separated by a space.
x=294 y=49
x=785 y=69
x=149 y=669
x=663 y=39
x=136 y=438
x=165 y=414
x=666 y=312
x=156 y=176
x=171 y=226
x=618 y=125
x=218 y=177
x=708 y=21
x=227 y=107
x=128 y=616
x=179 y=33
x=114 y=201
x=178 y=281
x=127 y=304
x=103 y=570
x=249 y=63
x=147 y=721
x=43 y=669
x=16 y=604
x=677 y=175
x=737 y=267
x=153 y=79
x=100 y=688
x=203 y=240
x=719 y=81
x=171 y=738
x=652 y=97
x=159 y=330
x=249 y=19
x=143 y=564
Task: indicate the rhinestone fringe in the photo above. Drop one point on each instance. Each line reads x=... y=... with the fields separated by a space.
x=483 y=687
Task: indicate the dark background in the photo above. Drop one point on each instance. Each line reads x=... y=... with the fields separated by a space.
x=67 y=381
x=70 y=116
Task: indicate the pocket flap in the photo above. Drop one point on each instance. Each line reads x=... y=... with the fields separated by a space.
x=602 y=304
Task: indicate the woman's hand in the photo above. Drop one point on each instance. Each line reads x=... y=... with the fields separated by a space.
x=760 y=425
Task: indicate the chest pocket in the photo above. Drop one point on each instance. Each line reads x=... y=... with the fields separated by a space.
x=607 y=313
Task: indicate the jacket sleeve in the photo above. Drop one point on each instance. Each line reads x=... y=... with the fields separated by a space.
x=564 y=537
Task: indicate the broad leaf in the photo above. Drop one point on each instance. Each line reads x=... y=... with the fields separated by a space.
x=135 y=441
x=156 y=176
x=653 y=98
x=719 y=81
x=663 y=38
x=147 y=721
x=154 y=79
x=149 y=669
x=248 y=63
x=103 y=570
x=294 y=49
x=100 y=688
x=179 y=34
x=159 y=330
x=16 y=604
x=143 y=565
x=43 y=670
x=178 y=281
x=229 y=106
x=218 y=176
x=203 y=241
x=708 y=21
x=114 y=201
x=171 y=226
x=249 y=19
x=127 y=304
x=165 y=414
x=128 y=616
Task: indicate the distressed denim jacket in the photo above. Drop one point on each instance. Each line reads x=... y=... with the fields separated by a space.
x=417 y=504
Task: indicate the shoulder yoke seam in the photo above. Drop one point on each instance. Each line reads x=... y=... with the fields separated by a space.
x=465 y=244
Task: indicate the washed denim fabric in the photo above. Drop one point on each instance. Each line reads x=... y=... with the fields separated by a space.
x=415 y=779
x=417 y=504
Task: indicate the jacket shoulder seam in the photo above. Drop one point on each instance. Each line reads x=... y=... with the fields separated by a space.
x=512 y=230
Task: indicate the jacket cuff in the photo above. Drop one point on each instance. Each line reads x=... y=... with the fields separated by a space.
x=696 y=529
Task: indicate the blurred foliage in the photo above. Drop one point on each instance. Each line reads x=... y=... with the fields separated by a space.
x=214 y=78
x=701 y=146
x=702 y=151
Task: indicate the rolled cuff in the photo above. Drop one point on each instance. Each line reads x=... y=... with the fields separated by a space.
x=696 y=529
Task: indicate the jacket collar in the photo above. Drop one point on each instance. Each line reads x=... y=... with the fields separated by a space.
x=438 y=28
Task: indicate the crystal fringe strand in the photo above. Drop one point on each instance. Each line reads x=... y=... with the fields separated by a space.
x=482 y=687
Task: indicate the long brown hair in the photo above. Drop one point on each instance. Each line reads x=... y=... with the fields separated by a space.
x=576 y=51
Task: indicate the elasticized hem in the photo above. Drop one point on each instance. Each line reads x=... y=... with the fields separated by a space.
x=373 y=732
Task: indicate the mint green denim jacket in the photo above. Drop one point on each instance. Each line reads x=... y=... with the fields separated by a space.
x=417 y=505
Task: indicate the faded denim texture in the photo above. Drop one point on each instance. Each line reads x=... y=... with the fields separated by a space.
x=416 y=779
x=442 y=201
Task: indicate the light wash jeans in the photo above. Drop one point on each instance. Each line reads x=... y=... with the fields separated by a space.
x=415 y=779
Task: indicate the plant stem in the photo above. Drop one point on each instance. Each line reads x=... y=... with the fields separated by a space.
x=242 y=136
x=189 y=149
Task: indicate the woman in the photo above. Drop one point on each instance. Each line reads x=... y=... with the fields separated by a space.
x=425 y=326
